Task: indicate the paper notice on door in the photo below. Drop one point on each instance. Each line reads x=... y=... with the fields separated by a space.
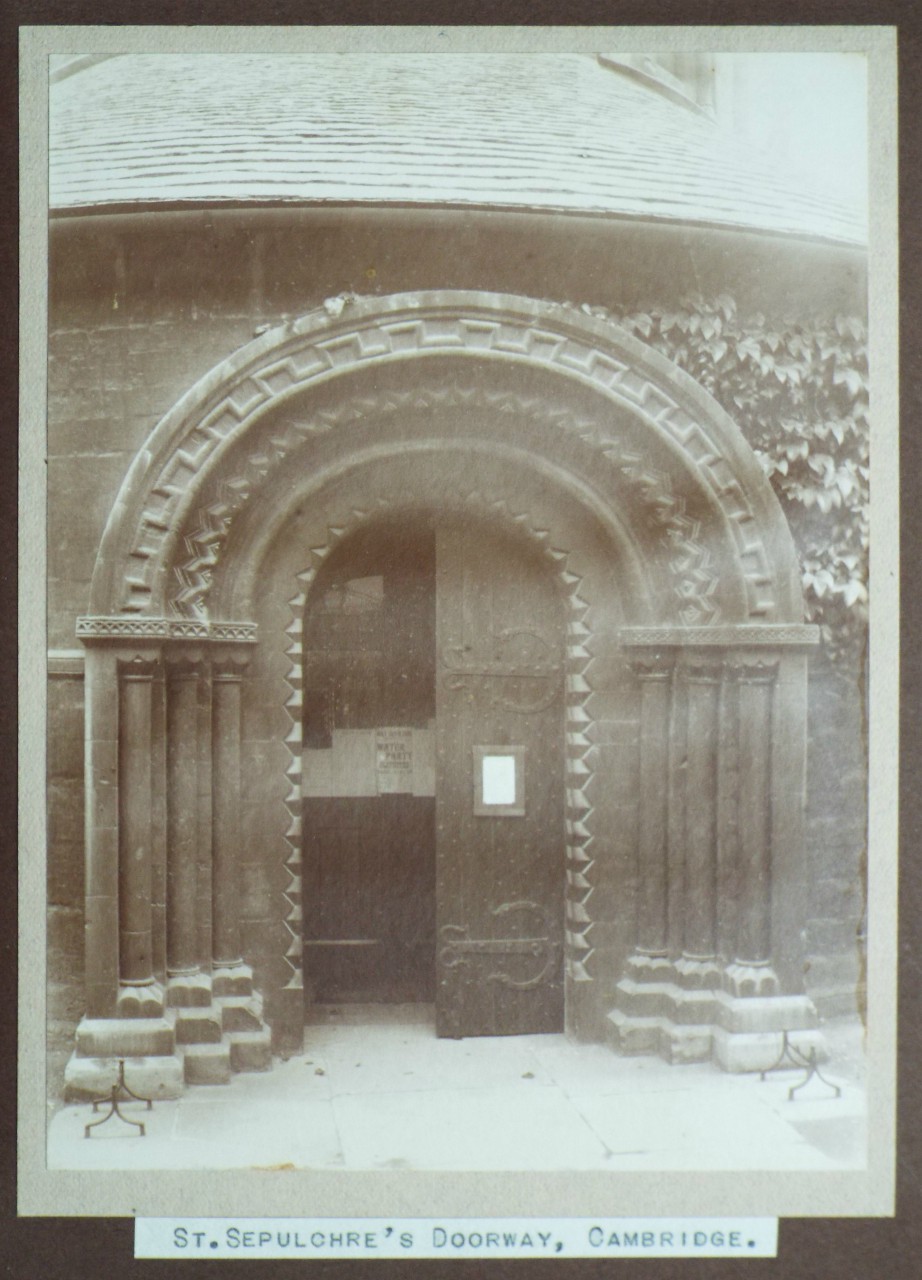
x=394 y=754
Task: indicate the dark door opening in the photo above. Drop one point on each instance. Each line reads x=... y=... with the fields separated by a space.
x=433 y=777
x=369 y=808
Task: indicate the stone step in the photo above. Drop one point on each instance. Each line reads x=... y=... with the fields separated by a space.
x=240 y=1013
x=631 y=1034
x=156 y=1077
x=198 y=1026
x=834 y=1002
x=250 y=1050
x=207 y=1063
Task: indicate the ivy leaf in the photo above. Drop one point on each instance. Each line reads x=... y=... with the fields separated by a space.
x=853 y=380
x=748 y=347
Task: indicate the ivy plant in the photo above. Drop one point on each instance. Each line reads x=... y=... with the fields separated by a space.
x=798 y=389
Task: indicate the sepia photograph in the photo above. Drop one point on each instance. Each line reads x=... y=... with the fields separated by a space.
x=457 y=603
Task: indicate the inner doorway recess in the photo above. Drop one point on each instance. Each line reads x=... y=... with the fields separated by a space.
x=434 y=777
x=369 y=777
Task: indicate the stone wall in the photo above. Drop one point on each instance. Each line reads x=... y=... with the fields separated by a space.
x=836 y=841
x=138 y=319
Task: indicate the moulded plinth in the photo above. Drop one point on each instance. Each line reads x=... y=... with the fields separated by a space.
x=207 y=1063
x=759 y=1050
x=159 y=1077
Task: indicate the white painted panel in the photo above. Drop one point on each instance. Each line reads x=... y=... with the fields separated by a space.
x=499 y=779
x=354 y=772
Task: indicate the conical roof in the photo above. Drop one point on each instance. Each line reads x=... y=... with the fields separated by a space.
x=535 y=131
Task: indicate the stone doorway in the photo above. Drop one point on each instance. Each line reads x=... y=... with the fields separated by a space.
x=433 y=777
x=368 y=771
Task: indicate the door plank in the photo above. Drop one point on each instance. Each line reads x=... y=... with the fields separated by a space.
x=500 y=879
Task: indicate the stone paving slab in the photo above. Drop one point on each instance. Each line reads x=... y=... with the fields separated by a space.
x=377 y=1090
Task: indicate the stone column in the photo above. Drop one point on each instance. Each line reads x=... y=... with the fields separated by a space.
x=240 y=1008
x=644 y=995
x=751 y=973
x=699 y=932
x=655 y=680
x=101 y=873
x=183 y=675
x=226 y=688
x=139 y=994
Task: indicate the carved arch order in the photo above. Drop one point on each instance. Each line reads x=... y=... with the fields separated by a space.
x=689 y=562
x=139 y=550
x=579 y=817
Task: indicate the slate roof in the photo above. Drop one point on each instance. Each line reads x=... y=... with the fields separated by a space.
x=514 y=131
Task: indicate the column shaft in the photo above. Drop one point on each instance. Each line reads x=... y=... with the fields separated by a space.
x=101 y=873
x=135 y=813
x=226 y=816
x=654 y=746
x=701 y=812
x=182 y=815
x=755 y=707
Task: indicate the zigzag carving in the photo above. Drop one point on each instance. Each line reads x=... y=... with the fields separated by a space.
x=373 y=339
x=691 y=565
x=579 y=809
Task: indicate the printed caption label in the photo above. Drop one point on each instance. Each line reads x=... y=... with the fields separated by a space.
x=455 y=1237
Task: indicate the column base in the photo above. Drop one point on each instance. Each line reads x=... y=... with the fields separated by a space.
x=188 y=991
x=235 y=980
x=140 y=1002
x=192 y=1043
x=207 y=1063
x=759 y=1050
x=250 y=1050
x=159 y=1077
x=632 y=1035
x=692 y=1011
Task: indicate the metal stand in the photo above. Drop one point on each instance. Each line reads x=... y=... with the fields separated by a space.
x=791 y=1059
x=120 y=1093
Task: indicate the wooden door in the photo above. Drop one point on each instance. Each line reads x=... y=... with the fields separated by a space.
x=499 y=787
x=368 y=780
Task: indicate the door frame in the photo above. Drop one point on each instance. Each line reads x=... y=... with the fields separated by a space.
x=577 y=756
x=714 y=591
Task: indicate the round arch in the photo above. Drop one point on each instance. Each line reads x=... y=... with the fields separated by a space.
x=140 y=548
x=684 y=775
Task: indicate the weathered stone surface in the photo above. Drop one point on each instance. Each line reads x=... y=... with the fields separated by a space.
x=124 y=1037
x=772 y=1013
x=159 y=1077
x=140 y=1002
x=207 y=1063
x=189 y=990
x=237 y=982
x=758 y=1051
x=240 y=1013
x=198 y=1026
x=251 y=1050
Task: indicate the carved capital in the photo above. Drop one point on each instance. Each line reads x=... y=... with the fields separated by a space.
x=138 y=627
x=183 y=664
x=708 y=672
x=229 y=668
x=140 y=668
x=742 y=635
x=653 y=668
x=753 y=670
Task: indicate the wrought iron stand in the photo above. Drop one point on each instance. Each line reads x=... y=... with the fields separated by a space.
x=791 y=1059
x=120 y=1093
